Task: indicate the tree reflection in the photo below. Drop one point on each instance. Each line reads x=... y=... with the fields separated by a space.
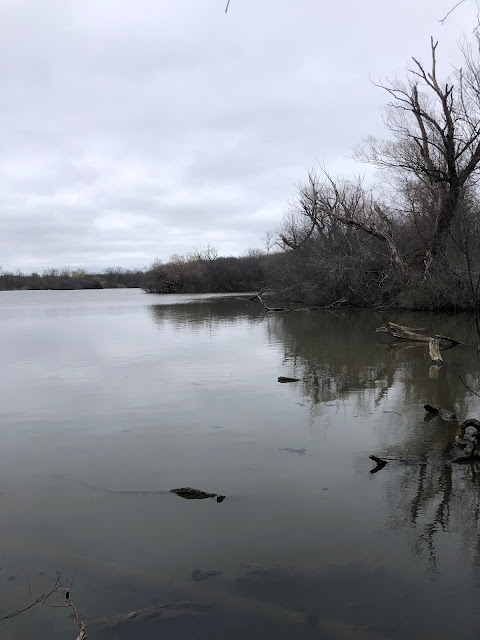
x=204 y=312
x=342 y=359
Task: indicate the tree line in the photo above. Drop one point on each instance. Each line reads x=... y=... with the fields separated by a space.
x=205 y=272
x=113 y=277
x=197 y=272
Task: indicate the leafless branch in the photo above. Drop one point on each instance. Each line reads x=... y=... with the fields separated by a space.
x=469 y=388
x=451 y=11
x=59 y=585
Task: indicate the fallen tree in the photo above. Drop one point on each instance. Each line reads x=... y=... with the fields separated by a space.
x=416 y=335
x=435 y=343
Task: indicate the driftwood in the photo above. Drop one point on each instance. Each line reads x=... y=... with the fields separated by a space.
x=287 y=379
x=434 y=350
x=404 y=333
x=416 y=335
x=448 y=416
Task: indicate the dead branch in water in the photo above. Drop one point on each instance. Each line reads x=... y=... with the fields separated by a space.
x=59 y=585
x=380 y=463
x=435 y=343
x=448 y=416
x=469 y=388
x=285 y=309
x=415 y=335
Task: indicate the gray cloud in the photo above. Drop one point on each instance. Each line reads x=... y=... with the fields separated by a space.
x=132 y=130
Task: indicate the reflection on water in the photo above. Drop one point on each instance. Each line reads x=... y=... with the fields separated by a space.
x=112 y=398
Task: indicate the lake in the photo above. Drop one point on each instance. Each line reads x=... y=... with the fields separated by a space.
x=111 y=398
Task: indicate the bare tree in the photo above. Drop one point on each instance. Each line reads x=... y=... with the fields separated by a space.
x=325 y=204
x=436 y=130
x=207 y=252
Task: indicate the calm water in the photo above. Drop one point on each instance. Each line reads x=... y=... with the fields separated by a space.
x=109 y=392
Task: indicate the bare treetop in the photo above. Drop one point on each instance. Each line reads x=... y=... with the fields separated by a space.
x=436 y=133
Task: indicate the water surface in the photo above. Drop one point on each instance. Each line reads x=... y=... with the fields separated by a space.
x=110 y=398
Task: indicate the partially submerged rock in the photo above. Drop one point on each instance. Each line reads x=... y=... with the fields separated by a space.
x=195 y=494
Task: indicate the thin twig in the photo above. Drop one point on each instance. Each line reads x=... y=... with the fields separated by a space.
x=451 y=11
x=226 y=8
x=469 y=388
x=58 y=584
x=66 y=586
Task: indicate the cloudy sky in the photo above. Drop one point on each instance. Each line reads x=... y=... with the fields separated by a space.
x=135 y=129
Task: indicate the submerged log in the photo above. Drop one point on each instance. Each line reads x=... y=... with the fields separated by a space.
x=198 y=575
x=161 y=612
x=448 y=416
x=300 y=452
x=287 y=379
x=195 y=494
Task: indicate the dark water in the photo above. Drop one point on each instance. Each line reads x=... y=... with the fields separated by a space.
x=107 y=396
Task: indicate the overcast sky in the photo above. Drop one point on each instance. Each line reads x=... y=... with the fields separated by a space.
x=135 y=129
